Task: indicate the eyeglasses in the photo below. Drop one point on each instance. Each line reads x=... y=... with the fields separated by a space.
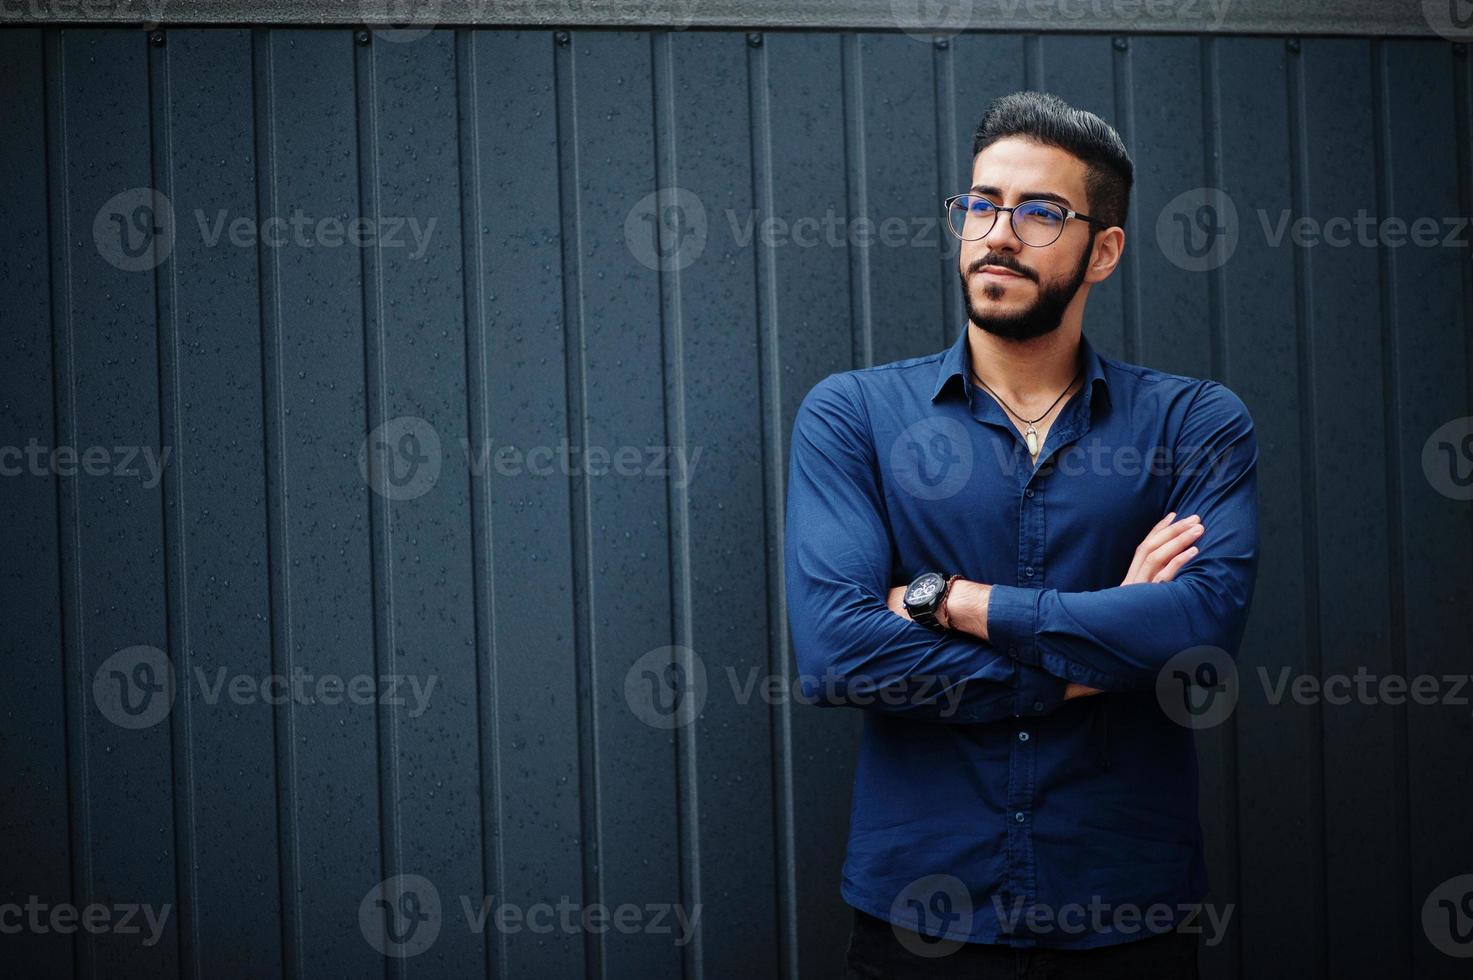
x=1036 y=223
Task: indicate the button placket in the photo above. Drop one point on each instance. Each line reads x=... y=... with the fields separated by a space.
x=1030 y=535
x=1021 y=877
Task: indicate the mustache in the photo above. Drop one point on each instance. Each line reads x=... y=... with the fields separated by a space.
x=1001 y=263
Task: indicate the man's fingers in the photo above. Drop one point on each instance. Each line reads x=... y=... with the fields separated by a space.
x=1163 y=532
x=1163 y=543
x=1169 y=572
x=1174 y=545
x=1145 y=546
x=895 y=599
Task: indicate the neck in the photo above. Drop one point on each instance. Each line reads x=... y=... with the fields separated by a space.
x=1025 y=372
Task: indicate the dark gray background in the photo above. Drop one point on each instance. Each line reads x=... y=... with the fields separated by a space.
x=530 y=320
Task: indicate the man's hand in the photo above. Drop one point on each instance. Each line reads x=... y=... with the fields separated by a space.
x=896 y=601
x=1166 y=548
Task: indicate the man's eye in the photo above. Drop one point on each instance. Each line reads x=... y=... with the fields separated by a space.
x=1041 y=213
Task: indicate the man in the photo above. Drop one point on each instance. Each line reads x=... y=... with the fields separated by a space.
x=1002 y=553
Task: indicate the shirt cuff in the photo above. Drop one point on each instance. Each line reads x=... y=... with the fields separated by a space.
x=1012 y=622
x=1039 y=692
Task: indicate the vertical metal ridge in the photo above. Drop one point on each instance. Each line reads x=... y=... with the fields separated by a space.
x=1217 y=330
x=1463 y=100
x=1132 y=335
x=1395 y=562
x=1212 y=165
x=857 y=185
x=175 y=542
x=483 y=530
x=1462 y=73
x=278 y=541
x=64 y=399
x=1309 y=489
x=769 y=394
x=948 y=181
x=380 y=515
x=687 y=785
x=582 y=577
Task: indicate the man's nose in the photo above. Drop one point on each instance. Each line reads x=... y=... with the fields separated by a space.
x=1001 y=237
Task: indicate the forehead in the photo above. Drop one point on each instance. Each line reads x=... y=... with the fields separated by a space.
x=1019 y=165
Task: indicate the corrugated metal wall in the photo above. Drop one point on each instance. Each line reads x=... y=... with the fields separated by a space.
x=534 y=310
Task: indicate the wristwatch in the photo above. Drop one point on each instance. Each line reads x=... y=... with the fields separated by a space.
x=924 y=596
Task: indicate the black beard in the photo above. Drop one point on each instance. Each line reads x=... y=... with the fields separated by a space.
x=1044 y=316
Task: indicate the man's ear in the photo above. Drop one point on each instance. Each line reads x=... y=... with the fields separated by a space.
x=1108 y=247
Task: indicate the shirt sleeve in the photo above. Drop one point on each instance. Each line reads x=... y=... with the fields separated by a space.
x=851 y=649
x=1120 y=638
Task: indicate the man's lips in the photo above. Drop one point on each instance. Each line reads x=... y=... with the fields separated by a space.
x=999 y=272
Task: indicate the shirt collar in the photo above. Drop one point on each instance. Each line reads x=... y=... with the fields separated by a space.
x=957 y=361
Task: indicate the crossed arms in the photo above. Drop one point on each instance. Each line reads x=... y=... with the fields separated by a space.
x=1011 y=650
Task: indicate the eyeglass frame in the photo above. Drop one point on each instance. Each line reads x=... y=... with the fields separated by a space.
x=998 y=209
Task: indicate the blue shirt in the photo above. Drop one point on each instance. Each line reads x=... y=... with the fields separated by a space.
x=986 y=807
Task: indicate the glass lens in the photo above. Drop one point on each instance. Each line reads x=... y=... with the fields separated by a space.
x=971 y=217
x=1038 y=222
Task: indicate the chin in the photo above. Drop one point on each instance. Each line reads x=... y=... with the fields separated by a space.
x=999 y=298
x=1004 y=285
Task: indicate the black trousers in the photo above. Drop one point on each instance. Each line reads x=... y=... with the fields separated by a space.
x=877 y=952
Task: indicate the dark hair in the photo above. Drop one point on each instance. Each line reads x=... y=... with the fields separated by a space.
x=1048 y=119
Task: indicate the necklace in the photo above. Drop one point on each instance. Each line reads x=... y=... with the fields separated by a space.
x=1030 y=434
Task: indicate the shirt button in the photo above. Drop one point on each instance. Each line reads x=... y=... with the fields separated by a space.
x=1022 y=736
x=1037 y=705
x=1028 y=571
x=1028 y=492
x=1018 y=816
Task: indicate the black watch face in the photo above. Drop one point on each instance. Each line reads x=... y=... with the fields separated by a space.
x=924 y=589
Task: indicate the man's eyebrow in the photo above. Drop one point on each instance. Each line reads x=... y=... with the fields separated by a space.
x=1025 y=196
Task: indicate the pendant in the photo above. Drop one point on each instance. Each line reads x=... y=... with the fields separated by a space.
x=1032 y=437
